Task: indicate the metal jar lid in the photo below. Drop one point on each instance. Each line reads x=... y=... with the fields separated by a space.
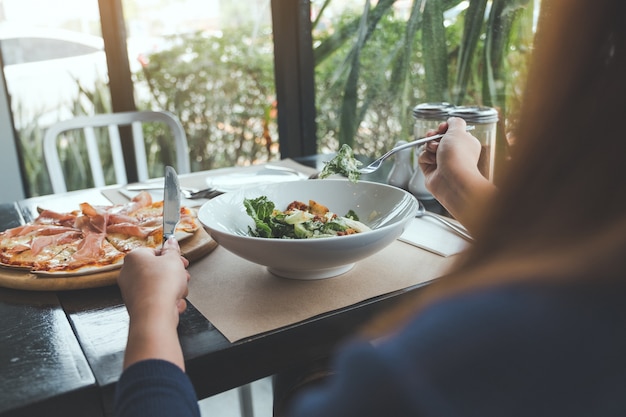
x=475 y=114
x=432 y=111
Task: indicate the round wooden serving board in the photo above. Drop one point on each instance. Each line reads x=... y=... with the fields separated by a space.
x=194 y=247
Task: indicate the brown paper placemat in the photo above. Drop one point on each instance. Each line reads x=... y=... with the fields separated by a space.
x=242 y=299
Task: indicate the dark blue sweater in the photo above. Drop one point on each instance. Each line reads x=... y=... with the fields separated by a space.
x=519 y=350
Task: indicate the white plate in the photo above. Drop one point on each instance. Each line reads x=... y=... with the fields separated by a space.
x=267 y=175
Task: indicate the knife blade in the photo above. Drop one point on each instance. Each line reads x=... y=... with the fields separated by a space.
x=171 y=203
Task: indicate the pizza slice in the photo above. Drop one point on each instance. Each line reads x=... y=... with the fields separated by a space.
x=89 y=254
x=129 y=235
x=140 y=223
x=26 y=245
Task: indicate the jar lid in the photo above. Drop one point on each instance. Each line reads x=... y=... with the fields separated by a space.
x=438 y=111
x=475 y=114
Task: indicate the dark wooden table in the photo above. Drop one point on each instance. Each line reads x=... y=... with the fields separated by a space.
x=61 y=352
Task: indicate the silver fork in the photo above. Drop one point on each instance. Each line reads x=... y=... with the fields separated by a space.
x=378 y=162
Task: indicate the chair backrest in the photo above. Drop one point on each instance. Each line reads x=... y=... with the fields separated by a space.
x=112 y=121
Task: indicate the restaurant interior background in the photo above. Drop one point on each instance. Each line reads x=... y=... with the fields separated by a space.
x=244 y=87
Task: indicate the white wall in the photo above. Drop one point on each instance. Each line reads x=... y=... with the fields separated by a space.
x=11 y=188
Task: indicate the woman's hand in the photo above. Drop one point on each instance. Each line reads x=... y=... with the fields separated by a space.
x=155 y=280
x=450 y=168
x=154 y=286
x=452 y=157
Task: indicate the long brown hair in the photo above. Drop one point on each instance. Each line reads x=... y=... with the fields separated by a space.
x=560 y=212
x=566 y=187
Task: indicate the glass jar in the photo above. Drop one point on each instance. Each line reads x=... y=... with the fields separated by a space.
x=485 y=120
x=402 y=169
x=427 y=117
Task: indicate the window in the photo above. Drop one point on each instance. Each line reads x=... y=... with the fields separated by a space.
x=211 y=64
x=257 y=80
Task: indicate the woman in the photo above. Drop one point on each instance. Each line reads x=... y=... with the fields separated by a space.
x=533 y=320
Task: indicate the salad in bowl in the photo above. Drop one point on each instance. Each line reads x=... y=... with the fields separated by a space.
x=311 y=229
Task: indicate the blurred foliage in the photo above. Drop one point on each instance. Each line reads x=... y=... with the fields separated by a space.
x=31 y=151
x=73 y=152
x=221 y=86
x=374 y=66
x=222 y=93
x=160 y=147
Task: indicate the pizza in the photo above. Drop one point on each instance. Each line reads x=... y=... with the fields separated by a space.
x=90 y=239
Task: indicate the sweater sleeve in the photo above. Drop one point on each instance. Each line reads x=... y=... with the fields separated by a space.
x=510 y=351
x=155 y=388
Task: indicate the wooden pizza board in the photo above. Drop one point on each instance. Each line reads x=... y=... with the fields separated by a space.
x=193 y=248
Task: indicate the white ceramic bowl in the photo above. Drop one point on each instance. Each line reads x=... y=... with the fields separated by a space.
x=385 y=209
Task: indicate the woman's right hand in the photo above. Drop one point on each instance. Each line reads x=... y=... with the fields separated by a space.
x=450 y=168
x=450 y=159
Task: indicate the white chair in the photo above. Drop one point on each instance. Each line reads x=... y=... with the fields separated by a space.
x=112 y=121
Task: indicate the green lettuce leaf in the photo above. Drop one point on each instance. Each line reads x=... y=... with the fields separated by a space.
x=260 y=209
x=343 y=163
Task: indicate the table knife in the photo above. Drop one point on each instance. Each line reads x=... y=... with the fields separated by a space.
x=171 y=203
